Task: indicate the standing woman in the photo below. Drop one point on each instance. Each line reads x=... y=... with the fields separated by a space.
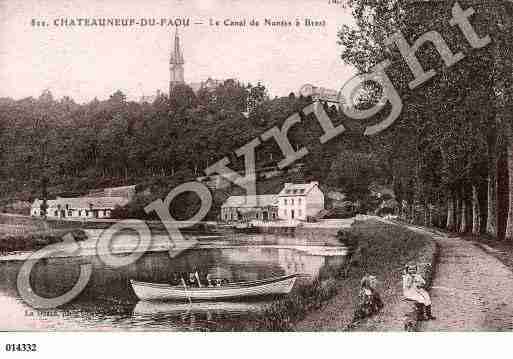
x=413 y=289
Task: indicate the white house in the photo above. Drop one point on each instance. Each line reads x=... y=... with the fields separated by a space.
x=300 y=201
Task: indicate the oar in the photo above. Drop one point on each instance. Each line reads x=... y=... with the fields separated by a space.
x=197 y=278
x=186 y=291
x=303 y=275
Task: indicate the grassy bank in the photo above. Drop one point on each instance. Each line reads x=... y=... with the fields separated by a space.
x=329 y=302
x=36 y=240
x=24 y=233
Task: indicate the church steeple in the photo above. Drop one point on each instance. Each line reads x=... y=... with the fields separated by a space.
x=176 y=54
x=176 y=63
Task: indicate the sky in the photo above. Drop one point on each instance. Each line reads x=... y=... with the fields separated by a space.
x=85 y=62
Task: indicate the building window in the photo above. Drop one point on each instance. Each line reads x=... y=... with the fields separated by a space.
x=285 y=201
x=299 y=200
x=285 y=213
x=299 y=212
x=70 y=213
x=292 y=202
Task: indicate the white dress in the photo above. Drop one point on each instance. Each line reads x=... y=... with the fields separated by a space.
x=412 y=289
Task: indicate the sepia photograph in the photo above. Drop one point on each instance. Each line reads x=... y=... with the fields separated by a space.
x=341 y=166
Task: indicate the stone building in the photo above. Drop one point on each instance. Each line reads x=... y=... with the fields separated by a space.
x=98 y=203
x=245 y=208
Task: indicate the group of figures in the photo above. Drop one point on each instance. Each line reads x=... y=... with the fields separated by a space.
x=414 y=292
x=369 y=300
x=195 y=279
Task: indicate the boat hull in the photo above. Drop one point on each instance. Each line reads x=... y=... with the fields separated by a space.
x=162 y=292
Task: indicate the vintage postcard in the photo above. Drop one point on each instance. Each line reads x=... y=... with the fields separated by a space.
x=270 y=166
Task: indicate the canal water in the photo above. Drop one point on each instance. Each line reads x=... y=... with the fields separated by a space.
x=109 y=303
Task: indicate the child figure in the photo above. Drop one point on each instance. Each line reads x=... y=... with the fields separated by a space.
x=369 y=300
x=413 y=289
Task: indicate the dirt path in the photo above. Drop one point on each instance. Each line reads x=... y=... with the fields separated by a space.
x=472 y=290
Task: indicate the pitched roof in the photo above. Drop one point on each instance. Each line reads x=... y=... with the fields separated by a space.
x=120 y=191
x=265 y=200
x=297 y=189
x=336 y=196
x=84 y=202
x=50 y=203
x=390 y=203
x=382 y=189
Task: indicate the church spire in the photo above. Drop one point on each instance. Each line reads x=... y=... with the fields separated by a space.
x=176 y=63
x=176 y=55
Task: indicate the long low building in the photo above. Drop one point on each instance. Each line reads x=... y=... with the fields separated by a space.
x=246 y=208
x=79 y=207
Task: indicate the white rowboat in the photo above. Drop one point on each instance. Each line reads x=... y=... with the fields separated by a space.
x=161 y=292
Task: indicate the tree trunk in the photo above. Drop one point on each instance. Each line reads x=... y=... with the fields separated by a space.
x=502 y=186
x=491 y=218
x=491 y=201
x=503 y=103
x=457 y=219
x=509 y=225
x=463 y=223
x=476 y=215
x=451 y=225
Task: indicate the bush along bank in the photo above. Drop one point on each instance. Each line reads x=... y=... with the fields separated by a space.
x=328 y=303
x=31 y=242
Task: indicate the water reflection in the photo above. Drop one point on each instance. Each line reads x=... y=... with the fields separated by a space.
x=109 y=303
